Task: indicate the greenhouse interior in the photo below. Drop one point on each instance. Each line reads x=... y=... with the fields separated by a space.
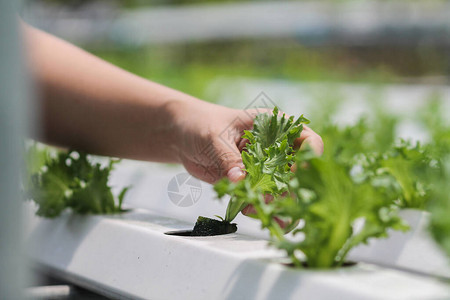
x=225 y=149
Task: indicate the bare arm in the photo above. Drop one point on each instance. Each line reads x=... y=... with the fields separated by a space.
x=92 y=105
x=89 y=104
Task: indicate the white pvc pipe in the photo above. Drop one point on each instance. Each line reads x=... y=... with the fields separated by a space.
x=12 y=126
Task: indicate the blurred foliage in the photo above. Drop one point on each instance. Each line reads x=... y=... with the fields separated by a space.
x=433 y=116
x=365 y=174
x=416 y=175
x=58 y=180
x=191 y=67
x=440 y=207
x=143 y=3
x=400 y=169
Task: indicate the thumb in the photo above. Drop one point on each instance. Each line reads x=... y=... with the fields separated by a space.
x=236 y=174
x=231 y=162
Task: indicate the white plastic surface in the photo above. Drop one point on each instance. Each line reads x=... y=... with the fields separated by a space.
x=129 y=256
x=414 y=250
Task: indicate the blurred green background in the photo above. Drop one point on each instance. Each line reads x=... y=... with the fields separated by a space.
x=402 y=47
x=191 y=65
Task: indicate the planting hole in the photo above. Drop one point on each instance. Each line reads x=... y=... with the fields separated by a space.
x=305 y=265
x=187 y=232
x=207 y=227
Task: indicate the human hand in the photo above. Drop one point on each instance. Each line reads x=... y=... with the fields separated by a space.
x=307 y=138
x=209 y=142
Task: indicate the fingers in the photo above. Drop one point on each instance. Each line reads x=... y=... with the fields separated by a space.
x=230 y=161
x=248 y=210
x=248 y=116
x=242 y=144
x=226 y=160
x=236 y=174
x=309 y=138
x=220 y=158
x=234 y=145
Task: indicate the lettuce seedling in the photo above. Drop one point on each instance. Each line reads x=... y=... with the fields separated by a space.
x=208 y=227
x=402 y=172
x=69 y=180
x=267 y=157
x=337 y=210
x=338 y=213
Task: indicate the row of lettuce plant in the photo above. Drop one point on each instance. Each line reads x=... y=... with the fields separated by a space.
x=341 y=199
x=330 y=203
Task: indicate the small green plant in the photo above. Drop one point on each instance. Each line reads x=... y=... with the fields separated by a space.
x=349 y=195
x=268 y=158
x=341 y=199
x=402 y=173
x=440 y=208
x=68 y=180
x=208 y=227
x=338 y=213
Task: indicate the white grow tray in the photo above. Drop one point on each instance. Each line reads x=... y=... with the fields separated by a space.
x=129 y=256
x=413 y=251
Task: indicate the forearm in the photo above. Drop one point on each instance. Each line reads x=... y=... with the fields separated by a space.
x=89 y=104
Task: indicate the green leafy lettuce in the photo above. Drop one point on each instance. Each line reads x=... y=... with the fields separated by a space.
x=439 y=206
x=354 y=191
x=338 y=201
x=267 y=158
x=338 y=213
x=402 y=173
x=68 y=180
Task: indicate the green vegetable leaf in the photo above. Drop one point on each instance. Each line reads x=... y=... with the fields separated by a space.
x=267 y=158
x=69 y=180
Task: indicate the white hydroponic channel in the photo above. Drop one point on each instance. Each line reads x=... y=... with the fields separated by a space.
x=129 y=256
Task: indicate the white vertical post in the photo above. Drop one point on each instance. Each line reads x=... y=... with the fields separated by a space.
x=13 y=96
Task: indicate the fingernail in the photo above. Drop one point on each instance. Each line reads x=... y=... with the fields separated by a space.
x=249 y=210
x=235 y=174
x=280 y=222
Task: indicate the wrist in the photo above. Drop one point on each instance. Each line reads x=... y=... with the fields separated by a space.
x=181 y=114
